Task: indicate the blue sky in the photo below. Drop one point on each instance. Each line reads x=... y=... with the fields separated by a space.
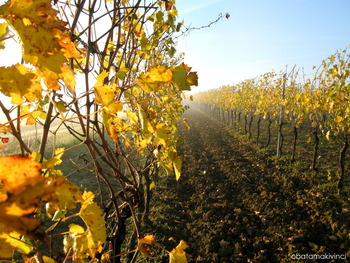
x=260 y=36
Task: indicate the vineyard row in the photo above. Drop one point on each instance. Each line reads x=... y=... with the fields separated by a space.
x=320 y=103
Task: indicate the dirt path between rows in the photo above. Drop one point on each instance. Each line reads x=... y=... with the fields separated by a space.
x=233 y=205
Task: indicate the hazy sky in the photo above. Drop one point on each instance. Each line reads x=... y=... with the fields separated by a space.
x=260 y=36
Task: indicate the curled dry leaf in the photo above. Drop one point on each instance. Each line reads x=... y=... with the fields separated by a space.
x=144 y=245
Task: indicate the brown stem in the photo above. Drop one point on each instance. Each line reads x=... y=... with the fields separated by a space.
x=342 y=163
x=316 y=144
x=268 y=132
x=14 y=130
x=295 y=133
x=46 y=130
x=258 y=131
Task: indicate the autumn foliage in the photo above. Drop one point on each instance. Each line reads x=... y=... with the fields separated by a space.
x=319 y=100
x=126 y=103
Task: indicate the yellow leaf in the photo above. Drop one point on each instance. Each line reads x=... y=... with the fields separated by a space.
x=76 y=230
x=88 y=198
x=46 y=42
x=132 y=117
x=146 y=125
x=77 y=240
x=178 y=255
x=6 y=248
x=155 y=78
x=3 y=193
x=192 y=79
x=101 y=77
x=3 y=34
x=86 y=243
x=177 y=167
x=20 y=83
x=17 y=211
x=115 y=106
x=144 y=245
x=138 y=29
x=34 y=259
x=27 y=189
x=19 y=173
x=91 y=214
x=25 y=113
x=35 y=156
x=105 y=94
x=67 y=193
x=114 y=126
x=146 y=141
x=338 y=119
x=4 y=128
x=13 y=241
x=48 y=260
x=67 y=75
x=56 y=160
x=162 y=133
x=26 y=21
x=105 y=256
x=69 y=49
x=160 y=74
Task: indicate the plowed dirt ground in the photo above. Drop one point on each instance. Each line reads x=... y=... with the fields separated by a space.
x=232 y=204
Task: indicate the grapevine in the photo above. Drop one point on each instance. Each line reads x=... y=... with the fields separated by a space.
x=321 y=100
x=108 y=73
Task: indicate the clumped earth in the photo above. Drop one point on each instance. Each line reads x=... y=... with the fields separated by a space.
x=232 y=204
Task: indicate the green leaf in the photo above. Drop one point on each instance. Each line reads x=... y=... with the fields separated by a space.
x=183 y=78
x=59 y=214
x=144 y=43
x=61 y=106
x=160 y=16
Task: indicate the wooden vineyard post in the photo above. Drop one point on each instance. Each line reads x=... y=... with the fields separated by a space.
x=280 y=121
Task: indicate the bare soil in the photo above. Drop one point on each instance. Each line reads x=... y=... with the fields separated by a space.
x=234 y=204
